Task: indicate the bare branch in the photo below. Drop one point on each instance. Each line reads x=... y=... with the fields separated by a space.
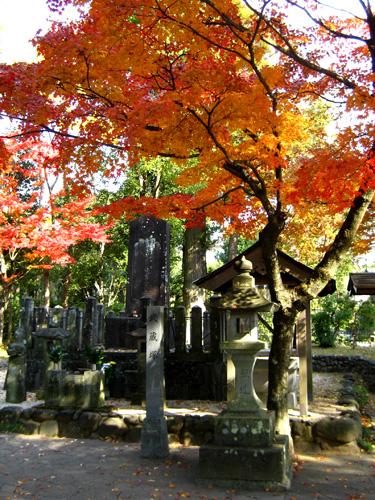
x=333 y=32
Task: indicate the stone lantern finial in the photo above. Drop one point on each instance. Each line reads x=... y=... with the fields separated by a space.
x=243 y=280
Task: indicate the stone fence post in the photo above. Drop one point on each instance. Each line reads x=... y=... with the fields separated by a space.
x=196 y=329
x=180 y=329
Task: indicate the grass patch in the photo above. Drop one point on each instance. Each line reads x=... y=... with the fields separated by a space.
x=12 y=427
x=342 y=350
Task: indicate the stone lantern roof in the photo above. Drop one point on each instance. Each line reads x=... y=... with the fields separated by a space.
x=361 y=283
x=292 y=272
x=243 y=295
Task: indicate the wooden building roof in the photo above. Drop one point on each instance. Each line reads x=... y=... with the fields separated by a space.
x=292 y=272
x=361 y=284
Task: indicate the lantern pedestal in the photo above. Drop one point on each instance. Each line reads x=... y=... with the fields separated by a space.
x=245 y=453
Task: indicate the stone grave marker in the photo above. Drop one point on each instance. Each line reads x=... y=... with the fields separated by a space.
x=148 y=268
x=154 y=437
x=15 y=382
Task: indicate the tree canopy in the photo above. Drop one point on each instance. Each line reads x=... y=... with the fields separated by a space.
x=223 y=87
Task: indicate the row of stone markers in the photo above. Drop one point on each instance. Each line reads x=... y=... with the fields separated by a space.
x=203 y=335
x=70 y=329
x=191 y=374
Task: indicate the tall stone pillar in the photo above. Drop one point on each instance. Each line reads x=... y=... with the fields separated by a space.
x=154 y=436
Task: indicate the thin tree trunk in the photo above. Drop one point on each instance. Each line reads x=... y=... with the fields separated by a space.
x=3 y=275
x=65 y=296
x=232 y=246
x=9 y=308
x=5 y=306
x=2 y=315
x=194 y=266
x=283 y=326
x=46 y=289
x=283 y=323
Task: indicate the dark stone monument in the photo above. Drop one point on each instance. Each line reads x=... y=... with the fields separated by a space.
x=148 y=267
x=154 y=437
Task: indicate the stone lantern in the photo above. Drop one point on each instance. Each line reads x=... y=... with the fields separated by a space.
x=242 y=304
x=245 y=453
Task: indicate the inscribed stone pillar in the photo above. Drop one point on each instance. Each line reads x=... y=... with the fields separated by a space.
x=154 y=437
x=148 y=267
x=71 y=320
x=71 y=327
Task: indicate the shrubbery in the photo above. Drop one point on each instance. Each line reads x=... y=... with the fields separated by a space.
x=340 y=313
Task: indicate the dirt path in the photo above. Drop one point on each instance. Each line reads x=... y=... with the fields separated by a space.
x=49 y=469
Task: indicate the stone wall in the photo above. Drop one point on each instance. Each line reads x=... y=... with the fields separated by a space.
x=345 y=364
x=187 y=429
x=101 y=424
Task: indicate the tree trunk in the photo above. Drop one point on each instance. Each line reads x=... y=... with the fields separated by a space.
x=283 y=326
x=194 y=266
x=291 y=302
x=46 y=289
x=5 y=306
x=3 y=275
x=2 y=314
x=232 y=246
x=283 y=329
x=65 y=297
x=9 y=307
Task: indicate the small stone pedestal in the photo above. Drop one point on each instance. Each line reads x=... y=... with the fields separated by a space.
x=245 y=453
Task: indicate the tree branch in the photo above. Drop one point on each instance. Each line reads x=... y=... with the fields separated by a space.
x=222 y=197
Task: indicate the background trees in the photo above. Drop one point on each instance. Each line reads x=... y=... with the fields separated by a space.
x=36 y=228
x=227 y=85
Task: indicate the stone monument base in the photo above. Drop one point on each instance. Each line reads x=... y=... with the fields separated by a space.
x=249 y=468
x=154 y=438
x=70 y=390
x=244 y=429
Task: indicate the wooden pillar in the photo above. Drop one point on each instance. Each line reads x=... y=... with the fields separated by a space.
x=302 y=355
x=310 y=391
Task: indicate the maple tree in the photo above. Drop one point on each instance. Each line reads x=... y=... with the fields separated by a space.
x=36 y=233
x=222 y=86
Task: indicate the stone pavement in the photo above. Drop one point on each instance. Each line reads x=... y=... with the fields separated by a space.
x=77 y=469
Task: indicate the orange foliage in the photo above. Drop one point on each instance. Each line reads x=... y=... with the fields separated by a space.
x=202 y=79
x=42 y=229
